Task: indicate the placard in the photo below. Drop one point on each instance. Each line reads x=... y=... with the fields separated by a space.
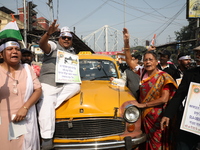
x=193 y=9
x=191 y=116
x=118 y=82
x=67 y=68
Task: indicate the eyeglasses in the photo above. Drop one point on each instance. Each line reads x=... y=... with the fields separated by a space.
x=68 y=38
x=15 y=91
x=145 y=60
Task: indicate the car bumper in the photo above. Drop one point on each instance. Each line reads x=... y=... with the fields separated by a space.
x=100 y=145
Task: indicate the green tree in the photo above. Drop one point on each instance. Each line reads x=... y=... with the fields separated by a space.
x=187 y=32
x=139 y=48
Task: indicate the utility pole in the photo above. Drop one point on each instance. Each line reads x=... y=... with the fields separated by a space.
x=115 y=41
x=124 y=13
x=106 y=38
x=25 y=27
x=94 y=42
x=169 y=38
x=50 y=4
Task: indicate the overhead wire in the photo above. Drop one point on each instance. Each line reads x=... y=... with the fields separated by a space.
x=17 y=5
x=154 y=9
x=136 y=17
x=90 y=14
x=132 y=7
x=57 y=10
x=170 y=22
x=43 y=15
x=52 y=11
x=145 y=14
x=167 y=23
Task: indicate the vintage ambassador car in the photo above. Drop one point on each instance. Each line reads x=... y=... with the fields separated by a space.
x=102 y=115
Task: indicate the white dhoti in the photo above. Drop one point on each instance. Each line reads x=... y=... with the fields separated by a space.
x=51 y=98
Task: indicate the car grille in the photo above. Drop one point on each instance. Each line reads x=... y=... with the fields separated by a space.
x=90 y=128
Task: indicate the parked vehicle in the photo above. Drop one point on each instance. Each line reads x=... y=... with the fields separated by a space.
x=102 y=115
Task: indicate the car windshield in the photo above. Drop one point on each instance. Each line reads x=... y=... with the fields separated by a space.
x=93 y=69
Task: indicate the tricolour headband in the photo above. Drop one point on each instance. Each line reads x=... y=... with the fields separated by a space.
x=7 y=44
x=184 y=57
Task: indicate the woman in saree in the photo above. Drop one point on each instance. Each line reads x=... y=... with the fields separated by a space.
x=156 y=89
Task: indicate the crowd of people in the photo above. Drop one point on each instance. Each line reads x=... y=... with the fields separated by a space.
x=162 y=89
x=27 y=88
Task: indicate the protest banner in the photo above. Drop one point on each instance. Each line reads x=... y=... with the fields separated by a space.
x=67 y=68
x=191 y=116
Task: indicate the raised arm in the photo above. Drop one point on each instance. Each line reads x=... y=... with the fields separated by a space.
x=151 y=48
x=43 y=43
x=131 y=64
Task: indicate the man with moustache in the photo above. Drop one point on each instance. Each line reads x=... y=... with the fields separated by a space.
x=53 y=93
x=184 y=140
x=184 y=63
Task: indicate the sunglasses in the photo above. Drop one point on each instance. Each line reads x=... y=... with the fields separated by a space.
x=68 y=38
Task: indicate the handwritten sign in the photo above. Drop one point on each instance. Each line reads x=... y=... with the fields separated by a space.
x=67 y=68
x=191 y=115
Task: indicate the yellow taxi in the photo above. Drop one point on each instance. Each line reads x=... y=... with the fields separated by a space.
x=102 y=115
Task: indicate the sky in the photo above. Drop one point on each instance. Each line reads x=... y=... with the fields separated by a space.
x=143 y=18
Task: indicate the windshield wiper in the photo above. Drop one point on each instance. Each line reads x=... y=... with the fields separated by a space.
x=101 y=77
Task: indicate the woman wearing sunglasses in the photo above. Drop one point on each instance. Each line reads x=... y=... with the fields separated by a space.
x=53 y=93
x=20 y=89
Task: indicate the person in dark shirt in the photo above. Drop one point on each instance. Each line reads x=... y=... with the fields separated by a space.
x=122 y=66
x=132 y=80
x=184 y=140
x=28 y=57
x=184 y=63
x=197 y=55
x=164 y=65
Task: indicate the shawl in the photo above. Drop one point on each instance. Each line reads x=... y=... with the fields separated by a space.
x=151 y=88
x=31 y=139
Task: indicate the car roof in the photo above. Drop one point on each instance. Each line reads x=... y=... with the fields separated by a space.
x=95 y=56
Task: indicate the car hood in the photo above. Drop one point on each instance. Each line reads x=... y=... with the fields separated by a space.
x=96 y=98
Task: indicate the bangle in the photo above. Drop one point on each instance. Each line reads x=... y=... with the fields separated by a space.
x=25 y=107
x=48 y=34
x=146 y=104
x=126 y=48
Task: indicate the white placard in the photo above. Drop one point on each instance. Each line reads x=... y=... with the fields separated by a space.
x=118 y=82
x=67 y=68
x=16 y=129
x=191 y=116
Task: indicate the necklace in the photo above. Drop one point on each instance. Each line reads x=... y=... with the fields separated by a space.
x=14 y=75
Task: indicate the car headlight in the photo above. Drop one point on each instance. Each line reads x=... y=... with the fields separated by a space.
x=131 y=114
